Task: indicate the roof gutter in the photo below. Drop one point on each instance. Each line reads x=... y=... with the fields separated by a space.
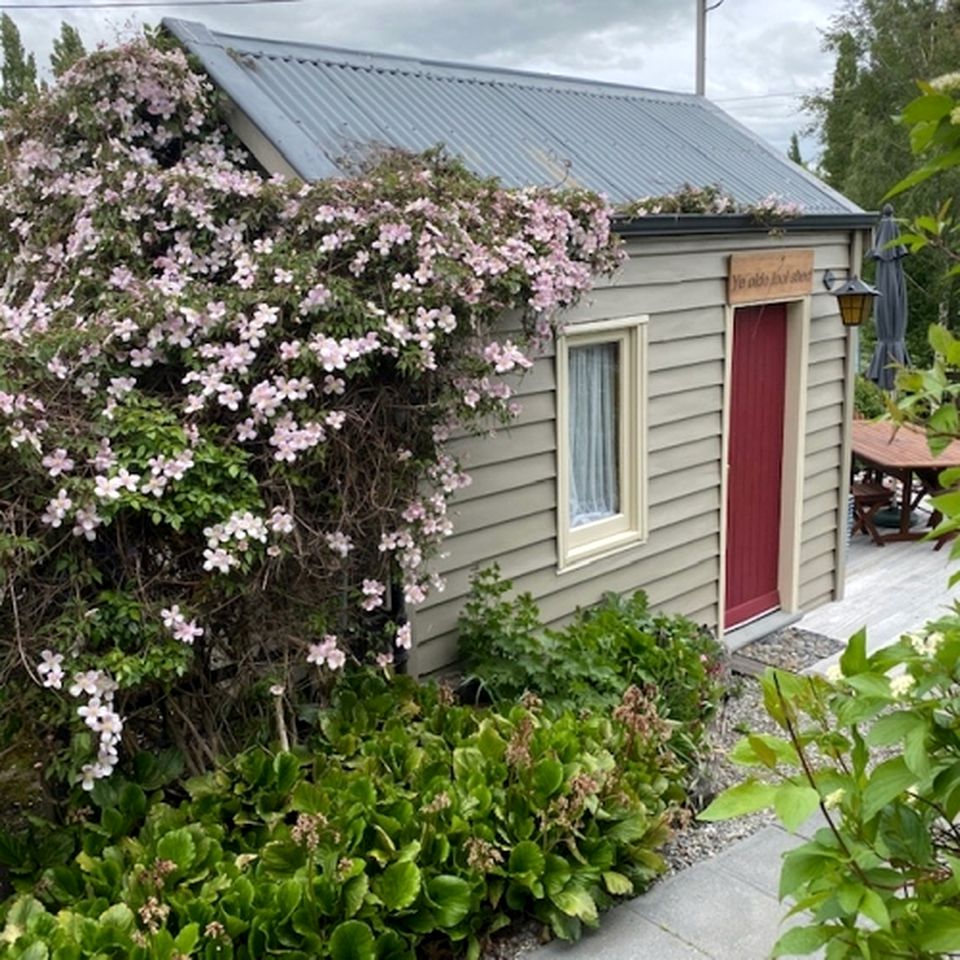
x=677 y=224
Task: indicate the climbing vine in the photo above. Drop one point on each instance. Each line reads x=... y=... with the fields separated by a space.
x=226 y=398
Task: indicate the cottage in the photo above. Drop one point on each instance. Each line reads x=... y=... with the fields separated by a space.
x=689 y=433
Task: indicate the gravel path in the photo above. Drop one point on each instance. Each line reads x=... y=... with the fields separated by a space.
x=742 y=711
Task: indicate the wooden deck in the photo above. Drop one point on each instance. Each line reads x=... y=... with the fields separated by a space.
x=891 y=590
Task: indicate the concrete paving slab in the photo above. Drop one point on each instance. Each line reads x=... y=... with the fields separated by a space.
x=623 y=934
x=757 y=859
x=718 y=913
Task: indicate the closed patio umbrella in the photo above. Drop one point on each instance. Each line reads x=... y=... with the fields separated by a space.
x=890 y=308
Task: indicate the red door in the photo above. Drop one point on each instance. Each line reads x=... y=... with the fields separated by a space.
x=755 y=459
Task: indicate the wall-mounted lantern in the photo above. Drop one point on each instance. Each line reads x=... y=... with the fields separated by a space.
x=854 y=297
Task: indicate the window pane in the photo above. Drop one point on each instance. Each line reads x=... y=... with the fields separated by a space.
x=594 y=432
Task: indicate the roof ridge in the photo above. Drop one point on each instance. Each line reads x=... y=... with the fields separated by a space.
x=339 y=55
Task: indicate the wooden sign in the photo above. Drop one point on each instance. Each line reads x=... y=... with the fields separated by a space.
x=760 y=277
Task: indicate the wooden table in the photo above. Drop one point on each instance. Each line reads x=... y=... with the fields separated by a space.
x=902 y=453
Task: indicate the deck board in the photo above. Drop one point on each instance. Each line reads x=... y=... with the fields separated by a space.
x=890 y=590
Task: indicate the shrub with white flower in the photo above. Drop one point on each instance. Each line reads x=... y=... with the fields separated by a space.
x=225 y=398
x=875 y=753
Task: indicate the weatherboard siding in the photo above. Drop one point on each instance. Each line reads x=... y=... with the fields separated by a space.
x=508 y=515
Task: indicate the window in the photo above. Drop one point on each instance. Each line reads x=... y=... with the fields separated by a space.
x=600 y=442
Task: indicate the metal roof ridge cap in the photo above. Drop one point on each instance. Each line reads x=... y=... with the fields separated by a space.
x=217 y=39
x=190 y=31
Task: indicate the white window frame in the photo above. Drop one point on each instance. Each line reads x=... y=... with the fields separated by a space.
x=591 y=541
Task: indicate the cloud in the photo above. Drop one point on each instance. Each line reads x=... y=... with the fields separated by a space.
x=754 y=48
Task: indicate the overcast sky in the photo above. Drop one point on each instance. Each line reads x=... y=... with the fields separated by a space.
x=762 y=55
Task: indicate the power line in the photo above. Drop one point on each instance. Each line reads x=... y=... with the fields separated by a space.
x=76 y=5
x=762 y=96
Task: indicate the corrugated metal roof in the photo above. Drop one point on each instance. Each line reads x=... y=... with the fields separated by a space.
x=321 y=106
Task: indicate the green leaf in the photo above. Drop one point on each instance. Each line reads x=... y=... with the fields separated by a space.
x=906 y=835
x=286 y=770
x=14 y=852
x=849 y=896
x=894 y=727
x=283 y=856
x=800 y=866
x=887 y=781
x=577 y=902
x=467 y=762
x=941 y=339
x=526 y=858
x=452 y=898
x=801 y=941
x=943 y=162
x=873 y=908
x=870 y=685
x=288 y=896
x=630 y=829
x=939 y=930
x=547 y=778
x=760 y=748
x=747 y=797
x=915 y=754
x=947 y=503
x=354 y=892
x=119 y=917
x=933 y=106
x=399 y=885
x=187 y=938
x=853 y=660
x=391 y=946
x=794 y=803
x=763 y=752
x=352 y=940
x=617 y=884
x=178 y=846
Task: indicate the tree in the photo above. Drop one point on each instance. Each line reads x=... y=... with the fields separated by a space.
x=793 y=151
x=882 y=48
x=18 y=75
x=68 y=48
x=834 y=112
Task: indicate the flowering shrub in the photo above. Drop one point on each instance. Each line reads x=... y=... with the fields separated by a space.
x=225 y=398
x=588 y=664
x=770 y=211
x=415 y=828
x=874 y=747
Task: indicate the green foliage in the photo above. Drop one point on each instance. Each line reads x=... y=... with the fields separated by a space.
x=882 y=47
x=931 y=120
x=68 y=48
x=588 y=664
x=409 y=821
x=793 y=152
x=18 y=74
x=876 y=749
x=869 y=401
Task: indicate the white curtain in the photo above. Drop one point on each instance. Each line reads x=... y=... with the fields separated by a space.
x=594 y=447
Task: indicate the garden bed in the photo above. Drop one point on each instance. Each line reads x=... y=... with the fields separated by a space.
x=742 y=710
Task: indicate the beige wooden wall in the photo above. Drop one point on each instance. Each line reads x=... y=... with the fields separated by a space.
x=508 y=514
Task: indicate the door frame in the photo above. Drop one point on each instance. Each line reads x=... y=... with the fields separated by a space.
x=794 y=443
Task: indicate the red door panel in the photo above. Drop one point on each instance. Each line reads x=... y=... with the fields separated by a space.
x=755 y=459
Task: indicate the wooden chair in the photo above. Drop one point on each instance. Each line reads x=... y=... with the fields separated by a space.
x=868 y=498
